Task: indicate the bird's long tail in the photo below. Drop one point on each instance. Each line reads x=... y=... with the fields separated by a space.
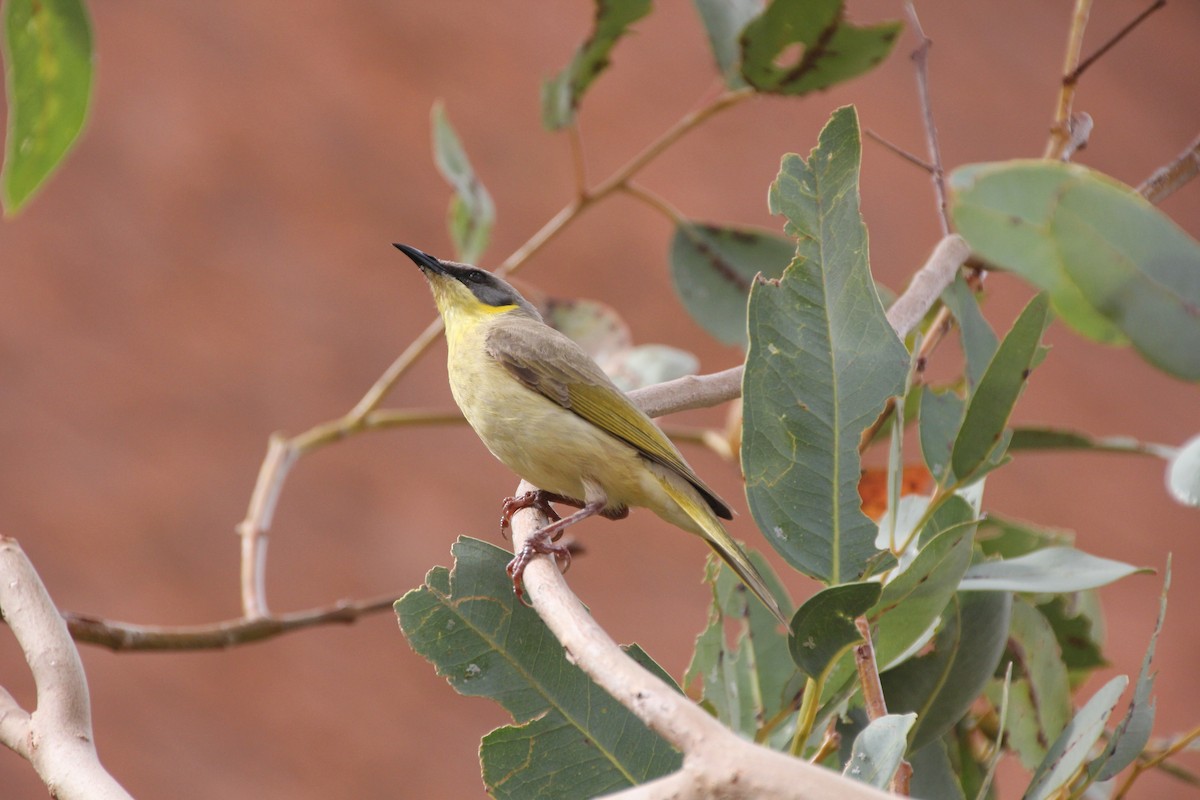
x=724 y=545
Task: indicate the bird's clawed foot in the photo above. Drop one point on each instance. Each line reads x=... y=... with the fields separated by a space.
x=538 y=500
x=541 y=543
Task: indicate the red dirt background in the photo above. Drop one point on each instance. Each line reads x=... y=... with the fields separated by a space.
x=213 y=264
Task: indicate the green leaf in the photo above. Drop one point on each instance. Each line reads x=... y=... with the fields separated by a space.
x=1053 y=569
x=985 y=782
x=712 y=269
x=1132 y=734
x=562 y=93
x=800 y=46
x=1033 y=643
x=1183 y=474
x=1033 y=438
x=48 y=61
x=822 y=361
x=1070 y=750
x=940 y=418
x=750 y=681
x=571 y=737
x=1000 y=536
x=934 y=777
x=1117 y=269
x=941 y=685
x=915 y=598
x=992 y=403
x=724 y=21
x=1022 y=731
x=823 y=627
x=879 y=749
x=471 y=213
x=978 y=339
x=1079 y=634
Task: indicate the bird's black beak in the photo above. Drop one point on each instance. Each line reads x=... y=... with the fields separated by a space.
x=423 y=260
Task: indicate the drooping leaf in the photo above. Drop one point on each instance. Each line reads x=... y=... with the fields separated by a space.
x=978 y=339
x=724 y=21
x=823 y=627
x=879 y=749
x=562 y=93
x=1033 y=438
x=1079 y=633
x=1009 y=538
x=1183 y=474
x=751 y=680
x=1034 y=646
x=1003 y=381
x=1131 y=735
x=1052 y=569
x=569 y=732
x=1116 y=268
x=940 y=418
x=1071 y=749
x=48 y=62
x=822 y=361
x=799 y=46
x=471 y=213
x=712 y=269
x=941 y=685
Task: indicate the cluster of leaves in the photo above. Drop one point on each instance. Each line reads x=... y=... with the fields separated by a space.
x=982 y=627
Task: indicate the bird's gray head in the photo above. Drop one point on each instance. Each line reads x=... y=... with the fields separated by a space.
x=460 y=286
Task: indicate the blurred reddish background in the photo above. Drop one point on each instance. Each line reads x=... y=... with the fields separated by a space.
x=213 y=264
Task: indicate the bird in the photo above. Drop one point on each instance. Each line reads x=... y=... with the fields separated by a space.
x=546 y=410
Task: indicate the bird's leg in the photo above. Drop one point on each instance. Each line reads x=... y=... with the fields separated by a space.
x=538 y=499
x=543 y=542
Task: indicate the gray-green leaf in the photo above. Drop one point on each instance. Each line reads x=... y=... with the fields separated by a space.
x=1072 y=747
x=1183 y=474
x=570 y=733
x=1116 y=268
x=819 y=47
x=471 y=213
x=822 y=361
x=712 y=268
x=1003 y=381
x=724 y=21
x=1053 y=569
x=562 y=93
x=879 y=749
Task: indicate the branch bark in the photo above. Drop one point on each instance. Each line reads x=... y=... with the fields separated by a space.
x=56 y=738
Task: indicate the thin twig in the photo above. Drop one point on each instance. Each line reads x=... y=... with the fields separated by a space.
x=125 y=636
x=1060 y=132
x=1074 y=75
x=873 y=701
x=655 y=201
x=579 y=166
x=1166 y=180
x=900 y=151
x=920 y=58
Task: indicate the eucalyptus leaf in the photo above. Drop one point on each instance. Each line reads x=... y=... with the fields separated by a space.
x=724 y=21
x=471 y=213
x=879 y=749
x=941 y=685
x=1116 y=268
x=1034 y=438
x=712 y=268
x=570 y=735
x=1183 y=474
x=990 y=406
x=1052 y=569
x=823 y=627
x=562 y=93
x=1072 y=748
x=939 y=420
x=798 y=46
x=1133 y=732
x=1033 y=642
x=821 y=364
x=48 y=58
x=978 y=339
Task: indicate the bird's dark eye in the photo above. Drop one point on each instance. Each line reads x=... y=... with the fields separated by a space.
x=475 y=276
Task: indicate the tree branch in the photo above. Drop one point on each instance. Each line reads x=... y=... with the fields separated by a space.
x=1167 y=180
x=57 y=737
x=716 y=761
